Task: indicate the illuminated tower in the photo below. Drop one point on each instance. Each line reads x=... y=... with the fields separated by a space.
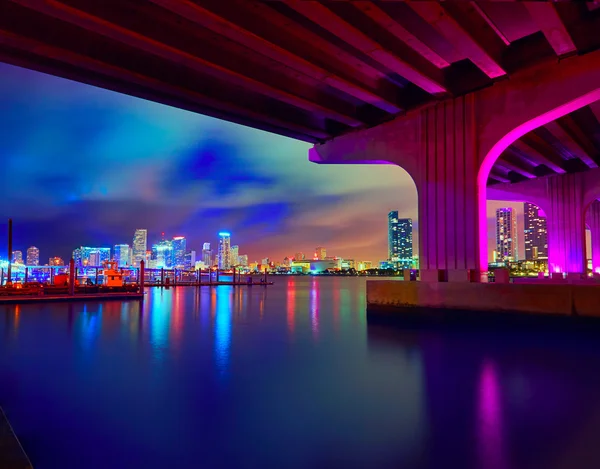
x=400 y=242
x=206 y=255
x=235 y=251
x=179 y=250
x=536 y=233
x=320 y=253
x=33 y=256
x=140 y=241
x=17 y=257
x=122 y=255
x=224 y=250
x=506 y=235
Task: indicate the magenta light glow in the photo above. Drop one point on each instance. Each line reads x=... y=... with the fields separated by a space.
x=503 y=143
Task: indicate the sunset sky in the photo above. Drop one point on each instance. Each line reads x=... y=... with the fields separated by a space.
x=86 y=166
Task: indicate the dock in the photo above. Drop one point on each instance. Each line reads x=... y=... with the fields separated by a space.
x=12 y=455
x=4 y=300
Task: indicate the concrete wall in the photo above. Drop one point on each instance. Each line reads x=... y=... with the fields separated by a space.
x=583 y=300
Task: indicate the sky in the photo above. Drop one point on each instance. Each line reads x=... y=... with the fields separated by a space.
x=86 y=166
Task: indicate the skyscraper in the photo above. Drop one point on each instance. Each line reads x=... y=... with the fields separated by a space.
x=206 y=255
x=17 y=257
x=506 y=235
x=140 y=242
x=179 y=250
x=299 y=256
x=122 y=255
x=536 y=233
x=235 y=252
x=90 y=257
x=224 y=250
x=243 y=260
x=320 y=253
x=190 y=260
x=400 y=239
x=162 y=254
x=33 y=256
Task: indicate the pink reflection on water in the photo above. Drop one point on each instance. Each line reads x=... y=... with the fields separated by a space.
x=291 y=305
x=491 y=447
x=314 y=307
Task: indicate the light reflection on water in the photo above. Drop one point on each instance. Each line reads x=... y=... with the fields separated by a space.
x=288 y=376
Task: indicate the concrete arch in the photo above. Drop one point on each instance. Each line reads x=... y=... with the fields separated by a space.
x=494 y=153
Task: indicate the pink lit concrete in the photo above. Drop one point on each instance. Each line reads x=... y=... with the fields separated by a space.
x=544 y=299
x=449 y=149
x=593 y=221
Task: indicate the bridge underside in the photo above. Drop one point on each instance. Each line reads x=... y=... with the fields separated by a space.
x=305 y=69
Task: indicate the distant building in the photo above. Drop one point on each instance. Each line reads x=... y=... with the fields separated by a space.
x=17 y=257
x=321 y=265
x=506 y=235
x=320 y=253
x=179 y=245
x=207 y=255
x=364 y=265
x=139 y=246
x=299 y=256
x=243 y=260
x=85 y=256
x=122 y=254
x=33 y=256
x=536 y=233
x=224 y=250
x=400 y=240
x=190 y=260
x=265 y=262
x=235 y=251
x=162 y=255
x=56 y=261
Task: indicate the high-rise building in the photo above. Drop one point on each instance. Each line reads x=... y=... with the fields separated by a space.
x=33 y=256
x=207 y=255
x=90 y=257
x=56 y=261
x=506 y=235
x=140 y=243
x=235 y=252
x=400 y=240
x=299 y=256
x=179 y=250
x=243 y=260
x=224 y=250
x=320 y=253
x=17 y=257
x=122 y=254
x=162 y=255
x=536 y=233
x=190 y=260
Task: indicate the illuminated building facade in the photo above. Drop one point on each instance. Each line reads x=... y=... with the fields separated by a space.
x=536 y=233
x=400 y=240
x=122 y=255
x=243 y=260
x=506 y=235
x=90 y=256
x=56 y=261
x=224 y=250
x=140 y=242
x=17 y=257
x=179 y=246
x=162 y=255
x=33 y=256
x=320 y=253
x=190 y=260
x=207 y=255
x=299 y=256
x=235 y=252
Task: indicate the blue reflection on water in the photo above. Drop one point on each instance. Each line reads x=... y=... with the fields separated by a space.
x=223 y=318
x=160 y=311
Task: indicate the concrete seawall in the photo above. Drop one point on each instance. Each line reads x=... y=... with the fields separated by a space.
x=530 y=299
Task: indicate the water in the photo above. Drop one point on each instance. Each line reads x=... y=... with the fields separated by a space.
x=290 y=376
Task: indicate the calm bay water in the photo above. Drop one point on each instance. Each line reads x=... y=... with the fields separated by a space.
x=290 y=376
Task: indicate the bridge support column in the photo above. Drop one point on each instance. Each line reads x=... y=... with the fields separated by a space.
x=593 y=221
x=447 y=188
x=566 y=227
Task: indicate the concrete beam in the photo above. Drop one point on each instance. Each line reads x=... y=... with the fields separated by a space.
x=572 y=129
x=540 y=151
x=18 y=42
x=379 y=16
x=324 y=17
x=570 y=144
x=545 y=16
x=438 y=16
x=113 y=31
x=207 y=19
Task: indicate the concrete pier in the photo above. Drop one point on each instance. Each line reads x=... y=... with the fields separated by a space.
x=12 y=455
x=544 y=299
